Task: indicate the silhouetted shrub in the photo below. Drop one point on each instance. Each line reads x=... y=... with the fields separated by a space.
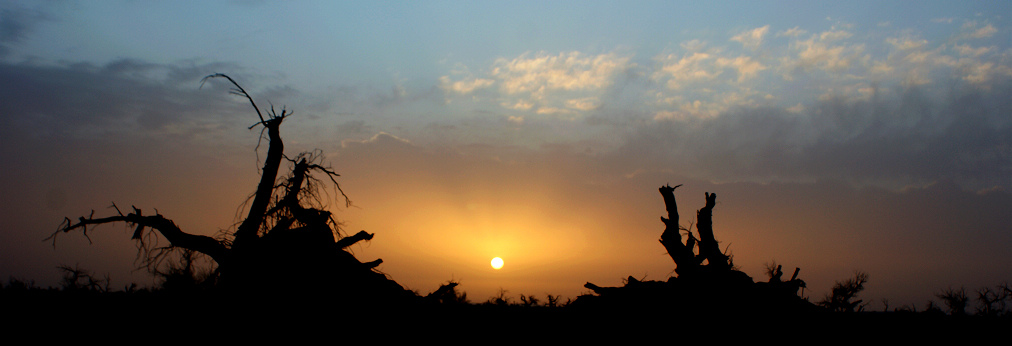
x=841 y=300
x=955 y=300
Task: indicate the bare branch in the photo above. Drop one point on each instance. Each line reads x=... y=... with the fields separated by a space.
x=349 y=241
x=237 y=91
x=166 y=227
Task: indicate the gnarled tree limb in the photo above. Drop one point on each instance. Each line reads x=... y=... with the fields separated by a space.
x=166 y=227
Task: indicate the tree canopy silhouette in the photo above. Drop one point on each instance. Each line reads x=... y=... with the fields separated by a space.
x=287 y=240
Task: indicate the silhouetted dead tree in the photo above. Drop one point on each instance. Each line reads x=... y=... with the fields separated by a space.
x=286 y=240
x=706 y=278
x=687 y=261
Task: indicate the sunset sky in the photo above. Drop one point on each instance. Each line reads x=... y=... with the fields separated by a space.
x=865 y=135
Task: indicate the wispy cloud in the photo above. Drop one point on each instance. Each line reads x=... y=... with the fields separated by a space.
x=465 y=86
x=535 y=74
x=746 y=67
x=986 y=31
x=820 y=52
x=792 y=32
x=752 y=39
x=546 y=83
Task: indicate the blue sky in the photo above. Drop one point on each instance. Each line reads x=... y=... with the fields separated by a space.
x=473 y=107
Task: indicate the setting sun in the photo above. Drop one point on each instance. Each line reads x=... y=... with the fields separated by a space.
x=497 y=263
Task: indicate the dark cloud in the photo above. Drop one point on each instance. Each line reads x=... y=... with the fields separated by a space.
x=352 y=128
x=17 y=23
x=911 y=138
x=127 y=96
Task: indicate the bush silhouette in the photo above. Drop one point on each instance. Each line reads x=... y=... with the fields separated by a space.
x=841 y=300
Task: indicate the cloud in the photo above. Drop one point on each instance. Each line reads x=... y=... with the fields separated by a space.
x=818 y=53
x=125 y=95
x=16 y=23
x=942 y=20
x=834 y=35
x=982 y=73
x=584 y=104
x=792 y=32
x=561 y=83
x=693 y=45
x=984 y=32
x=966 y=50
x=695 y=109
x=906 y=44
x=752 y=39
x=553 y=110
x=747 y=68
x=689 y=68
x=566 y=71
x=466 y=86
x=898 y=139
x=353 y=128
x=518 y=105
x=382 y=141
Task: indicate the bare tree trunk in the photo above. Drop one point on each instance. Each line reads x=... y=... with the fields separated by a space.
x=708 y=247
x=247 y=231
x=671 y=239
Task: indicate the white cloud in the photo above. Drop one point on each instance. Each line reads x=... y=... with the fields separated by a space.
x=519 y=105
x=984 y=32
x=553 y=110
x=966 y=50
x=693 y=109
x=816 y=54
x=906 y=43
x=752 y=39
x=792 y=32
x=747 y=68
x=942 y=20
x=978 y=72
x=693 y=45
x=546 y=83
x=834 y=35
x=379 y=139
x=565 y=71
x=466 y=86
x=692 y=67
x=880 y=68
x=584 y=104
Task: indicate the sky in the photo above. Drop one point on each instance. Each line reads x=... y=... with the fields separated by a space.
x=872 y=135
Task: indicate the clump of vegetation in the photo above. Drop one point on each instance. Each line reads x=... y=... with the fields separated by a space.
x=448 y=294
x=994 y=301
x=955 y=299
x=842 y=298
x=76 y=279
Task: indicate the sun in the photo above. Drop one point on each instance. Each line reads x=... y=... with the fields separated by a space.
x=497 y=263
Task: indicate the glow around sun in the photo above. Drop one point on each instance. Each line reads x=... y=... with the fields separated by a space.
x=497 y=263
